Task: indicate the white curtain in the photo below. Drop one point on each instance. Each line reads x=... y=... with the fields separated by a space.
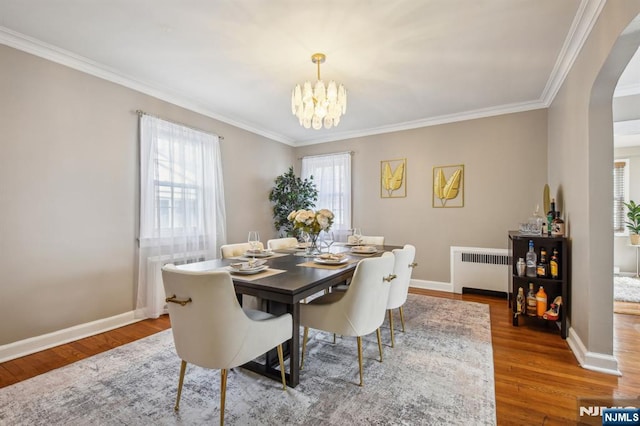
x=332 y=176
x=182 y=216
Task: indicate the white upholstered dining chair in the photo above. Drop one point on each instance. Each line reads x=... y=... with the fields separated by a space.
x=402 y=269
x=235 y=250
x=356 y=312
x=366 y=240
x=211 y=330
x=282 y=243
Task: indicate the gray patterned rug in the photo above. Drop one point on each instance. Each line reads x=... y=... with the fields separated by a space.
x=440 y=372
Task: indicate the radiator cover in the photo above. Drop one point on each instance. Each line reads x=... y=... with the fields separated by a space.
x=480 y=268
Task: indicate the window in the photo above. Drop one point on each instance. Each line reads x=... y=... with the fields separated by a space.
x=620 y=194
x=332 y=176
x=182 y=217
x=177 y=190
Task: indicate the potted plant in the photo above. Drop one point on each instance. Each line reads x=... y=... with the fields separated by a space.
x=290 y=194
x=633 y=222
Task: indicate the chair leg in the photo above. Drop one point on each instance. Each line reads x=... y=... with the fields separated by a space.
x=334 y=338
x=304 y=346
x=402 y=318
x=183 y=368
x=360 y=359
x=281 y=359
x=223 y=392
x=379 y=343
x=393 y=343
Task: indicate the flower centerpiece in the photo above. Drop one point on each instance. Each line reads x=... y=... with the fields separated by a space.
x=311 y=222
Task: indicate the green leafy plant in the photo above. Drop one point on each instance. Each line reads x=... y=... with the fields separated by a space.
x=633 y=216
x=291 y=193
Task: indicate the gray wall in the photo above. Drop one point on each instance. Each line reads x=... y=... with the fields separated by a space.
x=68 y=195
x=626 y=108
x=505 y=170
x=580 y=160
x=69 y=173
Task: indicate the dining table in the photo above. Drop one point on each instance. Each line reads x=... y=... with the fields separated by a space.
x=291 y=277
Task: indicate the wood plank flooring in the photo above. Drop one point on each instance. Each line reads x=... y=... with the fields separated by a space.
x=537 y=378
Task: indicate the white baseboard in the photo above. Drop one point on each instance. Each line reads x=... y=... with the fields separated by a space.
x=602 y=363
x=432 y=285
x=38 y=343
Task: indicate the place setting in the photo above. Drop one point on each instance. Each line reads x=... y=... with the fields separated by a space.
x=360 y=250
x=252 y=269
x=329 y=261
x=248 y=268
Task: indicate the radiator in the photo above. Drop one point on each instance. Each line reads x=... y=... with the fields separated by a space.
x=480 y=268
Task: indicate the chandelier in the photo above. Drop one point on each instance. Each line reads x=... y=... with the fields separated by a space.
x=320 y=104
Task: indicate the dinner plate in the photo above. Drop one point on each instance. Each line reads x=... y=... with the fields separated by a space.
x=264 y=253
x=247 y=271
x=363 y=249
x=331 y=261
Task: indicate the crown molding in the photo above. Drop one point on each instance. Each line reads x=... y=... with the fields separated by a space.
x=52 y=53
x=628 y=90
x=586 y=16
x=581 y=27
x=431 y=121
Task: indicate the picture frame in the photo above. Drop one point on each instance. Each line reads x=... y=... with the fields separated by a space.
x=393 y=178
x=448 y=186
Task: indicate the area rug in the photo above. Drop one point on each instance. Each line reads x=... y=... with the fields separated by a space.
x=626 y=289
x=440 y=372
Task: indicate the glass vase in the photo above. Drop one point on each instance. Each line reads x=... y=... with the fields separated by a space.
x=312 y=248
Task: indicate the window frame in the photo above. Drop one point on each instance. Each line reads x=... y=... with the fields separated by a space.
x=625 y=190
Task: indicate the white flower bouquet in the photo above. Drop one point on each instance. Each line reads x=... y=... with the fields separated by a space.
x=311 y=221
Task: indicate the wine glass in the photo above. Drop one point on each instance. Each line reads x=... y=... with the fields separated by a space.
x=328 y=240
x=357 y=235
x=254 y=240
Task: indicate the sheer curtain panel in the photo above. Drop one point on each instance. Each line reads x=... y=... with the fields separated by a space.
x=332 y=176
x=182 y=216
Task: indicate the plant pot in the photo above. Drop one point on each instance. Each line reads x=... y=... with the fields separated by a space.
x=635 y=239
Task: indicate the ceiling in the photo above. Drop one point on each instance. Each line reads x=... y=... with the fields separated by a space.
x=405 y=63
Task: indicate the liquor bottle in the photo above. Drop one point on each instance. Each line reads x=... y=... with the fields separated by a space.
x=551 y=214
x=557 y=227
x=530 y=259
x=542 y=270
x=532 y=303
x=520 y=302
x=554 y=264
x=541 y=301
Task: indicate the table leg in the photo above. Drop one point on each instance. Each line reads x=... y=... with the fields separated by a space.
x=294 y=352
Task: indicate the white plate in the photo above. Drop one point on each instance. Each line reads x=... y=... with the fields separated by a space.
x=364 y=249
x=264 y=253
x=251 y=264
x=247 y=271
x=330 y=261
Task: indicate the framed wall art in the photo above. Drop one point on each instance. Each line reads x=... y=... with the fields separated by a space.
x=448 y=186
x=393 y=180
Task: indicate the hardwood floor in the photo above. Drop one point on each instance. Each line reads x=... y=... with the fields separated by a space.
x=537 y=378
